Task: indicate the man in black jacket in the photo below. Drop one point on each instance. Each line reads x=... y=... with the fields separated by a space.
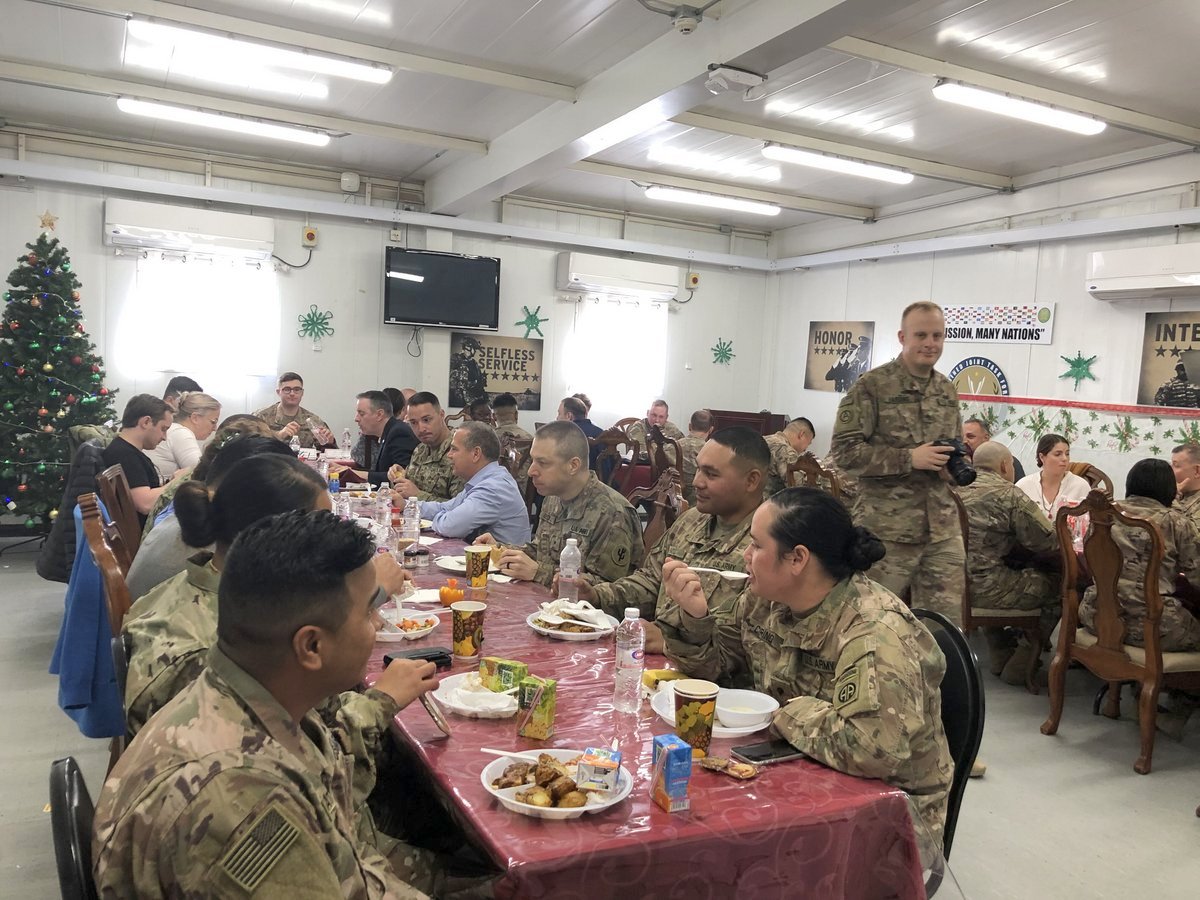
x=396 y=443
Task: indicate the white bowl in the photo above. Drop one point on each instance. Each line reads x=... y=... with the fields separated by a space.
x=396 y=615
x=741 y=709
x=507 y=796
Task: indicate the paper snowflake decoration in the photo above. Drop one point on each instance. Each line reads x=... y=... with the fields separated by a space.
x=1078 y=368
x=722 y=352
x=531 y=321
x=314 y=323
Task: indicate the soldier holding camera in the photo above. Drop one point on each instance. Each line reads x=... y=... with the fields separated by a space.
x=896 y=432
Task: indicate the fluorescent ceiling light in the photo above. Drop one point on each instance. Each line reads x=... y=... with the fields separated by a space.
x=407 y=276
x=1016 y=107
x=837 y=164
x=220 y=46
x=233 y=73
x=717 y=201
x=254 y=127
x=706 y=162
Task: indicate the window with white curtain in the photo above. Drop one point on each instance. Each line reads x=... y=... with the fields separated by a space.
x=200 y=315
x=617 y=355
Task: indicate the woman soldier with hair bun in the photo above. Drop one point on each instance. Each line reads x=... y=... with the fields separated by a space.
x=856 y=674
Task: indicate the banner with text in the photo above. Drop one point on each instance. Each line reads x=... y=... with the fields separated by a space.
x=488 y=365
x=838 y=352
x=1000 y=324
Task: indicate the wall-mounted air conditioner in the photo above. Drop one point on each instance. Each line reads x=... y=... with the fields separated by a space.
x=1145 y=273
x=612 y=275
x=135 y=225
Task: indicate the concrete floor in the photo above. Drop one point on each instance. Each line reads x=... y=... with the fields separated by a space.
x=1055 y=817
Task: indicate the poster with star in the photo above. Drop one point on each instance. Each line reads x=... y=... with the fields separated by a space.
x=838 y=352
x=487 y=365
x=1170 y=374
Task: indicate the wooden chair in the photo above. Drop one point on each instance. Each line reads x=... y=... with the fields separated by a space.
x=664 y=452
x=814 y=474
x=1093 y=476
x=1028 y=621
x=669 y=505
x=623 y=424
x=105 y=543
x=613 y=460
x=460 y=416
x=114 y=491
x=1105 y=653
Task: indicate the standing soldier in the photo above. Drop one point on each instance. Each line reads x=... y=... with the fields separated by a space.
x=884 y=435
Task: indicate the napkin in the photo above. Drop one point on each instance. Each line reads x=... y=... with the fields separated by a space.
x=426 y=540
x=482 y=701
x=577 y=609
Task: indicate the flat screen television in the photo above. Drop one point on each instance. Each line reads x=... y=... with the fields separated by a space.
x=442 y=290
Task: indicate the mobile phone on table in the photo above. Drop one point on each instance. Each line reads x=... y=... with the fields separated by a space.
x=766 y=752
x=439 y=656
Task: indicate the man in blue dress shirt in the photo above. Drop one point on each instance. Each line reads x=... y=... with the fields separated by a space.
x=491 y=501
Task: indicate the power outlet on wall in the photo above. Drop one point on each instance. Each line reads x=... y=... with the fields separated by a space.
x=308 y=236
x=396 y=235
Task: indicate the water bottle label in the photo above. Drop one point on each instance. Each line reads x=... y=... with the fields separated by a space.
x=632 y=657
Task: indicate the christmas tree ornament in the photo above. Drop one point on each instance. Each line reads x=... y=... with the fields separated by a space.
x=103 y=392
x=20 y=370
x=53 y=514
x=95 y=368
x=14 y=324
x=47 y=220
x=31 y=259
x=21 y=452
x=41 y=468
x=47 y=272
x=66 y=267
x=22 y=488
x=61 y=414
x=34 y=345
x=70 y=399
x=7 y=295
x=8 y=406
x=43 y=411
x=75 y=296
x=60 y=320
x=95 y=378
x=35 y=303
x=76 y=360
x=55 y=393
x=48 y=368
x=30 y=523
x=49 y=429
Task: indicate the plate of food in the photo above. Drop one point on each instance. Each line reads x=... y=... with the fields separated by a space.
x=458 y=564
x=413 y=624
x=543 y=786
x=426 y=524
x=465 y=695
x=571 y=620
x=663 y=703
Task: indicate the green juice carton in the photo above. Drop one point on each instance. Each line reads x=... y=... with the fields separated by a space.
x=536 y=701
x=498 y=674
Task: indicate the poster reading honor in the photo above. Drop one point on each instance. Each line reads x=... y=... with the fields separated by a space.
x=488 y=365
x=838 y=353
x=1171 y=360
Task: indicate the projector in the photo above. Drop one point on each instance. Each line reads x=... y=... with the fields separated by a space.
x=723 y=78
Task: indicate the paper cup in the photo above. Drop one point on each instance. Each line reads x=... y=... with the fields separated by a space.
x=695 y=708
x=477 y=565
x=467 y=628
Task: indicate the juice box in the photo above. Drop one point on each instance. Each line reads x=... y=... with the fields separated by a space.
x=498 y=674
x=536 y=713
x=599 y=769
x=672 y=772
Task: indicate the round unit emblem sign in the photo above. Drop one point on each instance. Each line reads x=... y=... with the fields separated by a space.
x=979 y=375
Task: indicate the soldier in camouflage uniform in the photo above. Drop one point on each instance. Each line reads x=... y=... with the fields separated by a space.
x=1149 y=491
x=430 y=474
x=700 y=428
x=505 y=407
x=786 y=447
x=714 y=534
x=655 y=415
x=1185 y=461
x=577 y=505
x=1001 y=518
x=882 y=437
x=288 y=419
x=855 y=673
x=237 y=788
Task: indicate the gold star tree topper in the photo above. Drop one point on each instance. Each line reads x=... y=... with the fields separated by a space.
x=49 y=220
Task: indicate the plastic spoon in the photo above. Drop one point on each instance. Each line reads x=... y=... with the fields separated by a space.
x=511 y=754
x=724 y=573
x=551 y=619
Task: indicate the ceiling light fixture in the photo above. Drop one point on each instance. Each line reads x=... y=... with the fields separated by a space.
x=261 y=54
x=839 y=164
x=1016 y=107
x=254 y=127
x=716 y=201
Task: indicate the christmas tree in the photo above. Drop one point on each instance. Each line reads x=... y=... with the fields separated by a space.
x=50 y=380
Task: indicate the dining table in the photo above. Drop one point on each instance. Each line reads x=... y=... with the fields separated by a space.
x=798 y=829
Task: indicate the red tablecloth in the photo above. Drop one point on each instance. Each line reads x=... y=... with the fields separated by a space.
x=799 y=829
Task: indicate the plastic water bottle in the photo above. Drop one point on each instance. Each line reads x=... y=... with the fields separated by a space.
x=294 y=443
x=631 y=659
x=383 y=506
x=341 y=508
x=346 y=441
x=569 y=563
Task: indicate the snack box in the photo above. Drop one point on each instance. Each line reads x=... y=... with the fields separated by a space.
x=498 y=674
x=599 y=769
x=536 y=721
x=672 y=772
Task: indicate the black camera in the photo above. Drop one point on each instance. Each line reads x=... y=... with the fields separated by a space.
x=958 y=464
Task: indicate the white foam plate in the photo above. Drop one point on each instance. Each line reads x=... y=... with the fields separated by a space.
x=457 y=564
x=395 y=615
x=445 y=692
x=507 y=796
x=593 y=635
x=663 y=703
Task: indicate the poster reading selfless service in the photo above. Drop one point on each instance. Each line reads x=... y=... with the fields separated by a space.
x=489 y=365
x=838 y=353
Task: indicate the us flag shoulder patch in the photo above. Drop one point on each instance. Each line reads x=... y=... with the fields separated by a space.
x=253 y=857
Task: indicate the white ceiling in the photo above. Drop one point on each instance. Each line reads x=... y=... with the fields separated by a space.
x=63 y=66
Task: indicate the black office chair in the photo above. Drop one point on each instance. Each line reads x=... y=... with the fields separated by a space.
x=71 y=814
x=962 y=709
